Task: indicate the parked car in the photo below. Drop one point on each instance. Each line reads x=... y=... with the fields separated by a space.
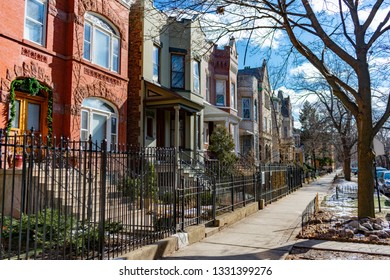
x=379 y=171
x=384 y=182
x=354 y=170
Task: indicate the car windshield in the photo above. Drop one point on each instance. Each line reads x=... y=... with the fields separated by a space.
x=387 y=176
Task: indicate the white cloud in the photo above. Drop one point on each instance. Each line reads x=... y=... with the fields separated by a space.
x=329 y=6
x=380 y=16
x=235 y=22
x=306 y=69
x=297 y=100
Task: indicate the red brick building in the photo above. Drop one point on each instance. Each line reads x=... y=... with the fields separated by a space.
x=70 y=58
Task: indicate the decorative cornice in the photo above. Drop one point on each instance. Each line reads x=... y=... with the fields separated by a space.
x=34 y=55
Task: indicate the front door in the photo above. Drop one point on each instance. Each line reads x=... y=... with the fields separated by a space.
x=99 y=128
x=29 y=113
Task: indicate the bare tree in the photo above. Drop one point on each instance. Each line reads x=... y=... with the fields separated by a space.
x=356 y=32
x=315 y=133
x=340 y=118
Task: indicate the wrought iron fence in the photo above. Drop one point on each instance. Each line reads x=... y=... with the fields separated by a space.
x=76 y=200
x=309 y=211
x=84 y=200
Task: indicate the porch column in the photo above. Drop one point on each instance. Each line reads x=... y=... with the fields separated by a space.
x=196 y=128
x=177 y=122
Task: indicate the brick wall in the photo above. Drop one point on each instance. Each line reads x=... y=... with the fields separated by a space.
x=135 y=74
x=59 y=63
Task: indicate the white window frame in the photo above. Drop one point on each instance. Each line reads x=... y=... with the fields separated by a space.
x=233 y=95
x=196 y=74
x=43 y=24
x=97 y=23
x=156 y=63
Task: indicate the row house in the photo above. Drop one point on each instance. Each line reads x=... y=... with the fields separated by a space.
x=166 y=93
x=221 y=100
x=262 y=96
x=64 y=68
x=283 y=125
x=248 y=106
x=181 y=85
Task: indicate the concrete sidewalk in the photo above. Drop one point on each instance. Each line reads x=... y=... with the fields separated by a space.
x=270 y=233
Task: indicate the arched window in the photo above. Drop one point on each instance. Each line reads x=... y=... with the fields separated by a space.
x=100 y=120
x=101 y=42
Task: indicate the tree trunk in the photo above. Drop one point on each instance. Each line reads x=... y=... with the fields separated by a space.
x=347 y=166
x=365 y=164
x=346 y=160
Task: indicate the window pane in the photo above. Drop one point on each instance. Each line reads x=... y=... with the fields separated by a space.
x=177 y=63
x=101 y=43
x=34 y=32
x=220 y=91
x=113 y=125
x=87 y=41
x=84 y=135
x=220 y=100
x=15 y=123
x=84 y=119
x=115 y=54
x=99 y=128
x=177 y=71
x=177 y=80
x=33 y=115
x=232 y=95
x=156 y=64
x=196 y=76
x=35 y=10
x=246 y=113
x=98 y=104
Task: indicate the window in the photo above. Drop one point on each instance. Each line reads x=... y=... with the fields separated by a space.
x=246 y=108
x=156 y=64
x=101 y=43
x=220 y=88
x=232 y=95
x=265 y=124
x=208 y=88
x=177 y=73
x=98 y=119
x=255 y=109
x=28 y=113
x=35 y=21
x=196 y=76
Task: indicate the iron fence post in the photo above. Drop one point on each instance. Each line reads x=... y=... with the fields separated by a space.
x=243 y=189
x=214 y=197
x=198 y=201
x=232 y=192
x=103 y=176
